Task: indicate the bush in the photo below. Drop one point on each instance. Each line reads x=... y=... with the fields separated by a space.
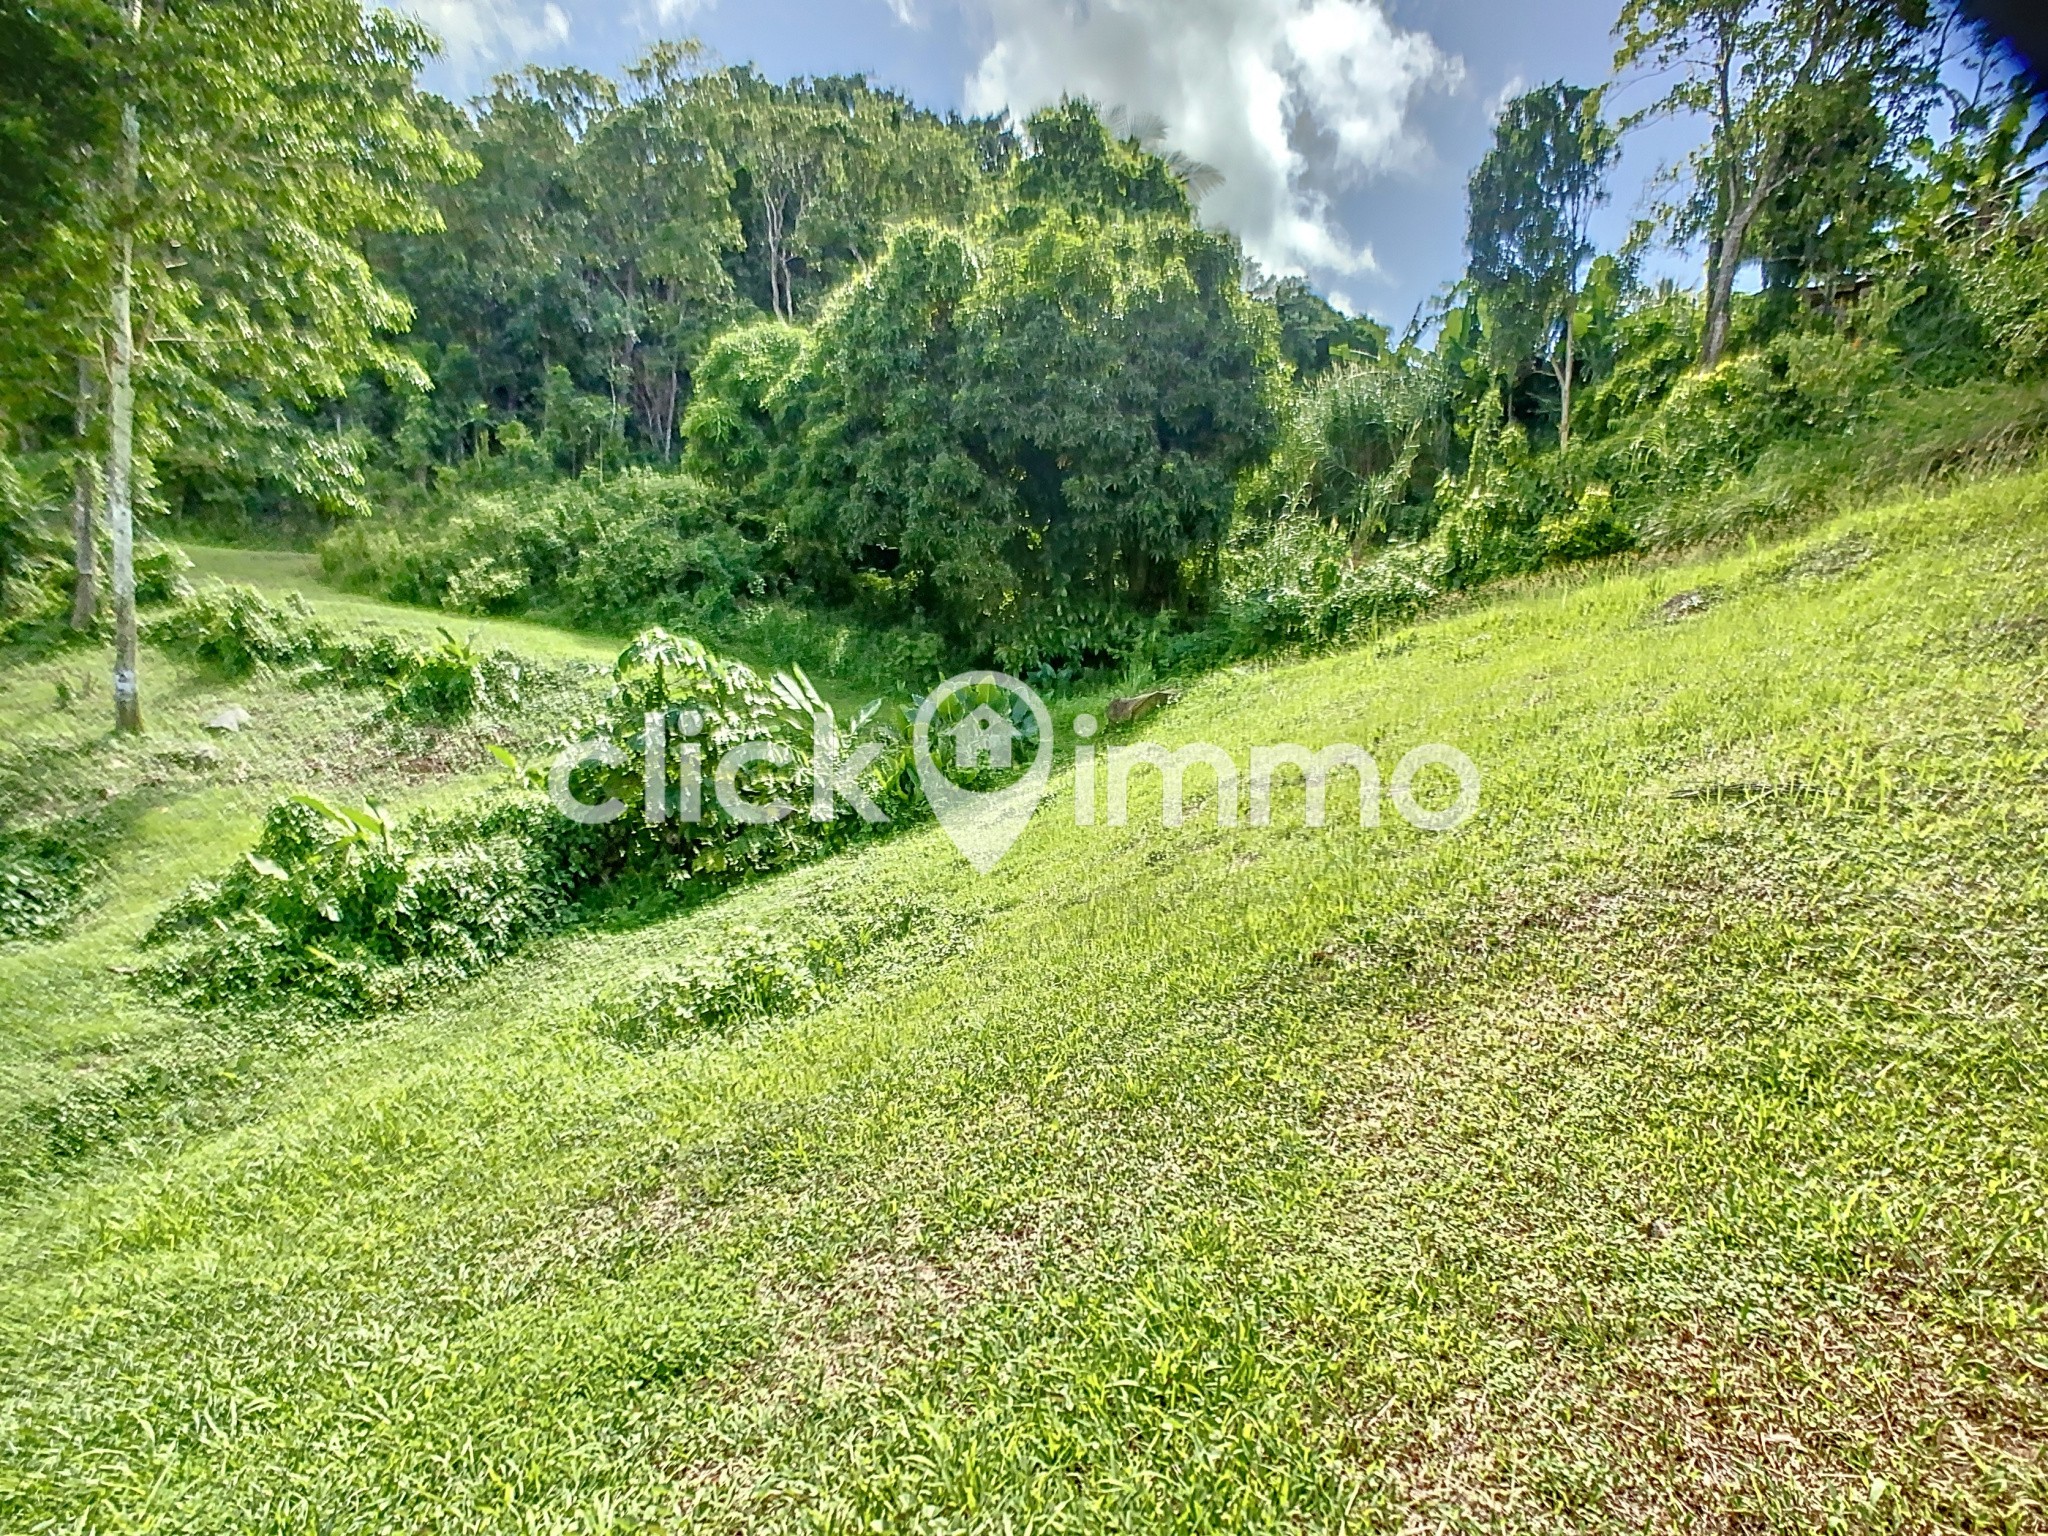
x=347 y=906
x=1363 y=449
x=612 y=554
x=1591 y=529
x=341 y=905
x=236 y=631
x=43 y=877
x=452 y=681
x=1301 y=582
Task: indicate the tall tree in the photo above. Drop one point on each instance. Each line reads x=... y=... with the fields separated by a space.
x=1769 y=76
x=255 y=147
x=1528 y=233
x=659 y=223
x=56 y=100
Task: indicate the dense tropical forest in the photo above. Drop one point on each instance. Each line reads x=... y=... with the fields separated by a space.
x=1661 y=1147
x=691 y=344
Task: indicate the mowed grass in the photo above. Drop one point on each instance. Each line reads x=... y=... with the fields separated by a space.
x=85 y=1057
x=1664 y=1149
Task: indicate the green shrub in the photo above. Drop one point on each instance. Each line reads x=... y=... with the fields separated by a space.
x=343 y=906
x=1362 y=448
x=1592 y=528
x=611 y=554
x=1299 y=581
x=452 y=681
x=729 y=432
x=235 y=631
x=43 y=877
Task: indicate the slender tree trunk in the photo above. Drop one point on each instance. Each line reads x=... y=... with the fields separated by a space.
x=1721 y=290
x=771 y=230
x=84 y=524
x=121 y=417
x=1564 y=379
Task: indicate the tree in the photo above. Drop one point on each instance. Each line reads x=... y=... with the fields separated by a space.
x=56 y=98
x=1769 y=76
x=1315 y=335
x=656 y=189
x=255 y=147
x=930 y=457
x=1528 y=234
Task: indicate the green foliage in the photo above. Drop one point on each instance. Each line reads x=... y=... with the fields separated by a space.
x=604 y=554
x=236 y=631
x=453 y=680
x=1300 y=582
x=1592 y=528
x=1528 y=236
x=615 y=228
x=1654 y=344
x=359 y=911
x=930 y=460
x=1714 y=426
x=1077 y=164
x=1314 y=335
x=341 y=906
x=729 y=431
x=1807 y=103
x=44 y=875
x=753 y=978
x=1362 y=450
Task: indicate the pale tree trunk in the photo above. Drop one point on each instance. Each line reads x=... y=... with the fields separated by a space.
x=84 y=524
x=1564 y=379
x=121 y=417
x=1721 y=290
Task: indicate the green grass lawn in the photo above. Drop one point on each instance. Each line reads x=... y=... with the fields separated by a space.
x=1665 y=1149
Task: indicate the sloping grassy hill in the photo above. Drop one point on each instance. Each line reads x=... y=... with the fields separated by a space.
x=1667 y=1148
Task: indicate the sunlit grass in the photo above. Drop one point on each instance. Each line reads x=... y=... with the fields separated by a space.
x=1665 y=1149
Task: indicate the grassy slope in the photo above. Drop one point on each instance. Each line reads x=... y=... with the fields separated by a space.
x=1664 y=1148
x=766 y=639
x=279 y=573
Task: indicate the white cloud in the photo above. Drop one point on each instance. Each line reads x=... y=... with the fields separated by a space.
x=1291 y=100
x=670 y=11
x=480 y=35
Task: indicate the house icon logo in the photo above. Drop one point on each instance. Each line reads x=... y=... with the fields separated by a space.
x=983 y=824
x=985 y=739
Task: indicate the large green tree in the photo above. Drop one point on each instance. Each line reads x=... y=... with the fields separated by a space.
x=1033 y=431
x=1775 y=80
x=255 y=146
x=1528 y=232
x=614 y=230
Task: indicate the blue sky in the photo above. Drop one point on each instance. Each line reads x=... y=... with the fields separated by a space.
x=1345 y=129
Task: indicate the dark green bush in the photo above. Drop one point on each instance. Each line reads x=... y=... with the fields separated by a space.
x=452 y=681
x=1301 y=582
x=347 y=906
x=611 y=554
x=235 y=631
x=43 y=877
x=342 y=905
